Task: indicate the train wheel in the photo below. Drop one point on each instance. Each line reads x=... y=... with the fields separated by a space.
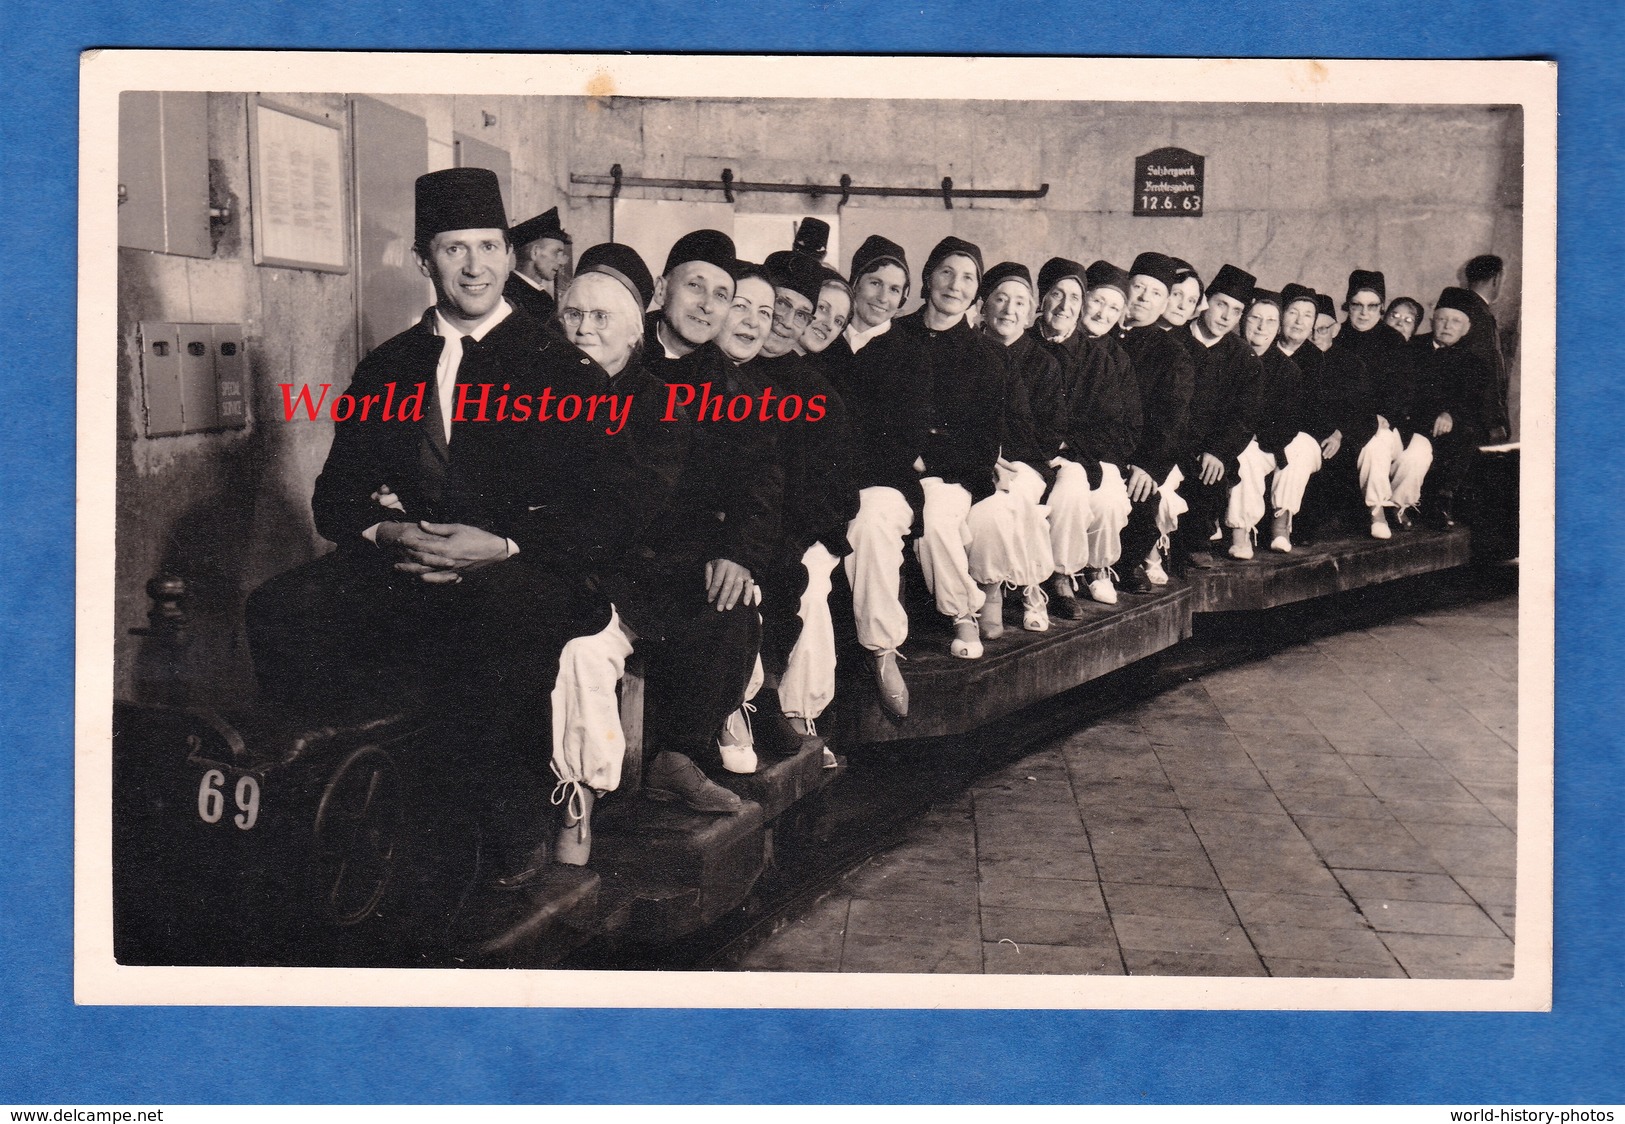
x=358 y=837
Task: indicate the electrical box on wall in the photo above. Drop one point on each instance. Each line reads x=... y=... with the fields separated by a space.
x=194 y=377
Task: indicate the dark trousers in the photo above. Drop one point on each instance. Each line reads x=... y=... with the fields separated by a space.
x=697 y=666
x=1453 y=456
x=1140 y=534
x=348 y=632
x=1207 y=505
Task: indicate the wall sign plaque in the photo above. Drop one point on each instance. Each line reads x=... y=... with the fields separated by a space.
x=1169 y=182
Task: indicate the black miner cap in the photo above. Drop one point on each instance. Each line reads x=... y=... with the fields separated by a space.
x=544 y=225
x=812 y=237
x=710 y=246
x=457 y=199
x=1265 y=296
x=1158 y=267
x=799 y=272
x=624 y=264
x=1104 y=275
x=878 y=251
x=1462 y=300
x=1325 y=306
x=1057 y=270
x=1367 y=279
x=1004 y=271
x=947 y=248
x=1296 y=292
x=1232 y=281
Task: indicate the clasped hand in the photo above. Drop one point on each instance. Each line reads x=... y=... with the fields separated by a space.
x=441 y=552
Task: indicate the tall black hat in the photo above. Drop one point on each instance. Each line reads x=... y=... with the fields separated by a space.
x=812 y=237
x=1232 y=281
x=1367 y=279
x=458 y=199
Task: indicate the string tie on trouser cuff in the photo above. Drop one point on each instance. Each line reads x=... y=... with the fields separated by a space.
x=571 y=795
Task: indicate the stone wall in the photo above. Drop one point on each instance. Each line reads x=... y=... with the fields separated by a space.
x=1300 y=193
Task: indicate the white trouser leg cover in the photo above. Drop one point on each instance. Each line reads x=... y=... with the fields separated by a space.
x=758 y=674
x=1110 y=506
x=1009 y=534
x=1070 y=514
x=874 y=569
x=808 y=683
x=1376 y=464
x=942 y=549
x=1246 y=505
x=1302 y=456
x=1170 y=506
x=588 y=743
x=1410 y=469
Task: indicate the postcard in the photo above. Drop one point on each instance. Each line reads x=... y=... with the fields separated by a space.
x=679 y=531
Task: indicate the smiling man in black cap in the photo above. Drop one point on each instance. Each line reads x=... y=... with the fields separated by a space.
x=542 y=252
x=450 y=569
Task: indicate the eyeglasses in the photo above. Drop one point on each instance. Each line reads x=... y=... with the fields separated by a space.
x=572 y=317
x=800 y=317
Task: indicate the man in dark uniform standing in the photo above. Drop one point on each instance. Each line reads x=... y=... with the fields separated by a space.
x=1483 y=275
x=542 y=252
x=441 y=585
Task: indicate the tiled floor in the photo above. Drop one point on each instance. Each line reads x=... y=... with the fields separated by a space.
x=1344 y=808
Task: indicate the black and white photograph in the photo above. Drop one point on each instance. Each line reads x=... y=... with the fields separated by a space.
x=793 y=531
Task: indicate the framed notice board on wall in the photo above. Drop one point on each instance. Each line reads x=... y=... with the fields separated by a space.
x=297 y=182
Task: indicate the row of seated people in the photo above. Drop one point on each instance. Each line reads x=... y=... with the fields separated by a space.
x=770 y=430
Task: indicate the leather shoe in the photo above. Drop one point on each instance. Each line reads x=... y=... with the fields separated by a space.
x=890 y=684
x=1138 y=581
x=1063 y=602
x=674 y=778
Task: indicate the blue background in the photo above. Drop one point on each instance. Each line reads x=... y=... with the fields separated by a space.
x=53 y=1052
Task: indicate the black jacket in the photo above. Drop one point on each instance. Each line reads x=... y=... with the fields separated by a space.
x=1457 y=380
x=1166 y=377
x=536 y=303
x=1390 y=371
x=1289 y=403
x=1225 y=401
x=501 y=476
x=964 y=407
x=1035 y=405
x=886 y=390
x=820 y=498
x=729 y=500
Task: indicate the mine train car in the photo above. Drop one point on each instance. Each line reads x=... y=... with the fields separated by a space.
x=246 y=838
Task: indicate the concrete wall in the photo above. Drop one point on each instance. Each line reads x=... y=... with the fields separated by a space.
x=1294 y=193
